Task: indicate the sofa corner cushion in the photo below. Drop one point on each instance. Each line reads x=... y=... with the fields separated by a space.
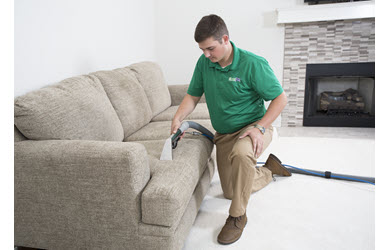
x=172 y=184
x=151 y=77
x=127 y=97
x=76 y=108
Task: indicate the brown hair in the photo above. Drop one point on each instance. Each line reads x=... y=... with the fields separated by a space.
x=210 y=26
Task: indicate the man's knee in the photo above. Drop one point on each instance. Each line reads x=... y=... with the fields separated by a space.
x=228 y=195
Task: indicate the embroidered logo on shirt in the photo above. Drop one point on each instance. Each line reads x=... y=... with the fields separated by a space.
x=234 y=79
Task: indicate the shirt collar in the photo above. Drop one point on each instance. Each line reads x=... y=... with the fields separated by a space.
x=233 y=65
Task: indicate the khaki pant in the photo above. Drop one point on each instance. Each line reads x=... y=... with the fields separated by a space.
x=237 y=168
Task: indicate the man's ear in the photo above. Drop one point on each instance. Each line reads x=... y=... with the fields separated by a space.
x=225 y=39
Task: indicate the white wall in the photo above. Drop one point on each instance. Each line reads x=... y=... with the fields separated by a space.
x=59 y=39
x=251 y=23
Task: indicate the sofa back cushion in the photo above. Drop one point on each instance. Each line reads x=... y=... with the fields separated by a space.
x=18 y=136
x=150 y=76
x=127 y=97
x=77 y=108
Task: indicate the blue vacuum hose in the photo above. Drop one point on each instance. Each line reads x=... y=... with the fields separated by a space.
x=328 y=174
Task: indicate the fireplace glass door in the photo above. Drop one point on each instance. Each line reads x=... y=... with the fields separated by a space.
x=340 y=95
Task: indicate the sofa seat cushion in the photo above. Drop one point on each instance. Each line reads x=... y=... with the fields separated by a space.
x=150 y=76
x=127 y=97
x=172 y=183
x=161 y=131
x=200 y=112
x=76 y=108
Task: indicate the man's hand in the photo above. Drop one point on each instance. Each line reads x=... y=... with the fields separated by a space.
x=274 y=109
x=175 y=125
x=257 y=140
x=186 y=107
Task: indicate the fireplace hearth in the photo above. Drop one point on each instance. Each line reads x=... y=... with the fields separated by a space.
x=340 y=95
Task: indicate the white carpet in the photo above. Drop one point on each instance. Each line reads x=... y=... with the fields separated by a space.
x=301 y=212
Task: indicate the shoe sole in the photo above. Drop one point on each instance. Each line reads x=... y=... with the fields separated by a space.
x=228 y=243
x=275 y=158
x=288 y=173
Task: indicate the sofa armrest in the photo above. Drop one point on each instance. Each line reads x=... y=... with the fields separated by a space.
x=78 y=194
x=178 y=92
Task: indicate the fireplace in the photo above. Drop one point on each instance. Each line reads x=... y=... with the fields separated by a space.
x=340 y=95
x=322 y=42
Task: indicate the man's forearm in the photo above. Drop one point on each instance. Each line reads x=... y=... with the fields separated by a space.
x=186 y=107
x=275 y=108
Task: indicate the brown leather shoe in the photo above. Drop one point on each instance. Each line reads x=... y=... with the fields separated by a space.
x=276 y=167
x=232 y=230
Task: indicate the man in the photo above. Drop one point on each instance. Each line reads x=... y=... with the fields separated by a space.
x=235 y=83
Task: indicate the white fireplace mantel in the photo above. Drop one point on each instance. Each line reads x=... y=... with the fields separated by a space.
x=327 y=12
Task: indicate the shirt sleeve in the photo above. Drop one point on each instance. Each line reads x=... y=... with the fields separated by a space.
x=196 y=84
x=264 y=81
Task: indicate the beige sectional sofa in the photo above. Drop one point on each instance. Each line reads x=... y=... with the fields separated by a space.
x=87 y=169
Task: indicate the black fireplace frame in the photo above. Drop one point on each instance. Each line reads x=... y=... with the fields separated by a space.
x=335 y=70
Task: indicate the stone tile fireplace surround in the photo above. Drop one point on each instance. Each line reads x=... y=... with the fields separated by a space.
x=339 y=41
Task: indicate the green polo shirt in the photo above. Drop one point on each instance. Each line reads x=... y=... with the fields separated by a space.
x=235 y=94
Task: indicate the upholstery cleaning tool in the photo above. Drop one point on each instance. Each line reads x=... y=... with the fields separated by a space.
x=328 y=174
x=171 y=142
